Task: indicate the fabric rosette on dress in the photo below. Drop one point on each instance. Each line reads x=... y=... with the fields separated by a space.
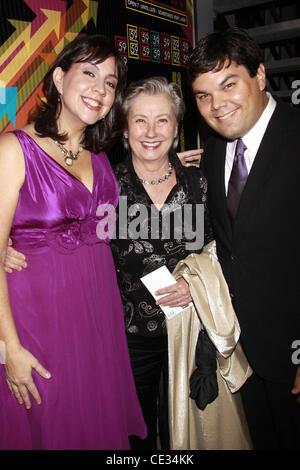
x=64 y=238
x=69 y=237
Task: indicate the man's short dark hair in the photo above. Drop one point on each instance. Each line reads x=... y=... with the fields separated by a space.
x=214 y=50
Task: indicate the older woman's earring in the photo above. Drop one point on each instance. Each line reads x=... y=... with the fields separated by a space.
x=175 y=142
x=58 y=99
x=125 y=141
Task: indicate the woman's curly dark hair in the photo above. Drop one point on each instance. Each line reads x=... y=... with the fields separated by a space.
x=102 y=134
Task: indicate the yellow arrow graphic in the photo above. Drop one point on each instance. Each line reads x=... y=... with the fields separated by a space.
x=21 y=34
x=68 y=37
x=32 y=49
x=90 y=12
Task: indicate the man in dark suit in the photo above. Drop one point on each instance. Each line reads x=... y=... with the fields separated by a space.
x=252 y=163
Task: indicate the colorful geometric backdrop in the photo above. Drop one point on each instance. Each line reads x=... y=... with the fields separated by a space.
x=154 y=37
x=27 y=54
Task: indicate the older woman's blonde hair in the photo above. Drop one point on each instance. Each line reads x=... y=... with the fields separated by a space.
x=155 y=86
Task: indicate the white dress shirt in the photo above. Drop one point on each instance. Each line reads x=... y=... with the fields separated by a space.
x=252 y=140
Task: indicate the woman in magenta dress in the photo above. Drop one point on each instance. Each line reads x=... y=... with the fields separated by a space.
x=67 y=381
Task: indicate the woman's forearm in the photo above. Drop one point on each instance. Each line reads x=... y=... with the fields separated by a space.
x=8 y=332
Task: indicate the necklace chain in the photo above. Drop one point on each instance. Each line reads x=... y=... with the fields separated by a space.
x=69 y=156
x=159 y=180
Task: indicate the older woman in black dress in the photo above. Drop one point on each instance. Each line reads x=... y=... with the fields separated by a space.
x=157 y=186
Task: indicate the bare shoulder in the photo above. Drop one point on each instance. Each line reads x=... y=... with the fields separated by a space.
x=11 y=158
x=9 y=144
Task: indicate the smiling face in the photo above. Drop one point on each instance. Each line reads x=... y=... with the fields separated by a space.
x=151 y=126
x=87 y=91
x=230 y=101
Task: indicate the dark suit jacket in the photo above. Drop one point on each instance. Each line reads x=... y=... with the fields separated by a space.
x=260 y=254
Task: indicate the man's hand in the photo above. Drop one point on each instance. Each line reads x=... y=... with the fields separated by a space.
x=296 y=388
x=190 y=157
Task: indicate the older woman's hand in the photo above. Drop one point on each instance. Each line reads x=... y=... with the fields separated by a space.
x=177 y=295
x=190 y=157
x=14 y=259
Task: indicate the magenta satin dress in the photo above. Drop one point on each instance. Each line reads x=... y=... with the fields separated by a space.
x=68 y=314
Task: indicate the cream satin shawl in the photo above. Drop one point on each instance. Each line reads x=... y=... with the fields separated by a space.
x=222 y=424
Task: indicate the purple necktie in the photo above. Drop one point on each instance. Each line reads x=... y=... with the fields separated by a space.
x=237 y=180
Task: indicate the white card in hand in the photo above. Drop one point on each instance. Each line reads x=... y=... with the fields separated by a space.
x=156 y=280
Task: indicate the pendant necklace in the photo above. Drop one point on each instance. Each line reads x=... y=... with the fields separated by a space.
x=159 y=180
x=69 y=156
